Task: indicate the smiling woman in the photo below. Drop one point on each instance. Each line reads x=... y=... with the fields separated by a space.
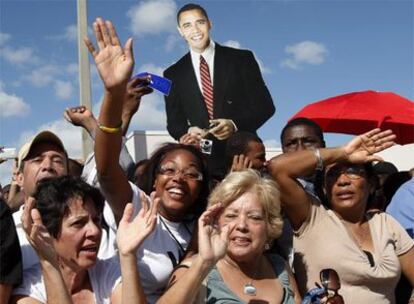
x=242 y=220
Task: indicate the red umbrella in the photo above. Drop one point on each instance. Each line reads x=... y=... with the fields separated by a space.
x=358 y=112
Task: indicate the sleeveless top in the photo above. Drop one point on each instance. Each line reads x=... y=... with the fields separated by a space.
x=217 y=291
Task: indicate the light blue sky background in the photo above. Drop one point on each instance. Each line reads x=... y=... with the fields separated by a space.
x=307 y=50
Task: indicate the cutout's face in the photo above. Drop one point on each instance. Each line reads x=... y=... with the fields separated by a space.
x=44 y=161
x=194 y=27
x=80 y=235
x=300 y=137
x=176 y=183
x=249 y=235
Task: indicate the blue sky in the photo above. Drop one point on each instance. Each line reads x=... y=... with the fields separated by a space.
x=307 y=50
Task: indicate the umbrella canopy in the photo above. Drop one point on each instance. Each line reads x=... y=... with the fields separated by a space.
x=359 y=112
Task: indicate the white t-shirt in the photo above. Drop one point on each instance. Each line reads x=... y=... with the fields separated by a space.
x=104 y=277
x=156 y=257
x=161 y=251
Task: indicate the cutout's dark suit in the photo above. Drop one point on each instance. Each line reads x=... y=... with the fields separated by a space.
x=240 y=94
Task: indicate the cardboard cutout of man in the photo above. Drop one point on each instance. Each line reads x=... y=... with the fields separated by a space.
x=236 y=98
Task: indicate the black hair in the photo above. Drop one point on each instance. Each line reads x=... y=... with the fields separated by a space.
x=238 y=143
x=190 y=7
x=133 y=167
x=152 y=167
x=300 y=121
x=54 y=195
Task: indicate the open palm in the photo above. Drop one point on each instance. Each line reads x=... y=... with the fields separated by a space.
x=132 y=232
x=114 y=63
x=362 y=148
x=213 y=241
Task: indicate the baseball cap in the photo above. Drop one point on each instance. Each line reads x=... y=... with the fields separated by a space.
x=41 y=137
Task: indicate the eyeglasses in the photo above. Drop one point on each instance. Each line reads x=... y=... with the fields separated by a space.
x=351 y=172
x=187 y=173
x=330 y=280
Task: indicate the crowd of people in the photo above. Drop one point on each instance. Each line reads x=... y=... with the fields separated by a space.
x=188 y=227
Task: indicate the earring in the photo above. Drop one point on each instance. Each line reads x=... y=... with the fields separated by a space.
x=267 y=246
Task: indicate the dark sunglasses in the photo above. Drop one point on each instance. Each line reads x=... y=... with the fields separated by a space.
x=351 y=172
x=330 y=280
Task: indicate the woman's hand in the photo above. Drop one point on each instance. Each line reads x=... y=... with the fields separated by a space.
x=362 y=148
x=132 y=232
x=37 y=234
x=114 y=63
x=212 y=241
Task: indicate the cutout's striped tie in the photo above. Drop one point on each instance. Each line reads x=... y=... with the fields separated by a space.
x=207 y=88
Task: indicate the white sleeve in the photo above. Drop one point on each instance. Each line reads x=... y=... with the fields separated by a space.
x=33 y=285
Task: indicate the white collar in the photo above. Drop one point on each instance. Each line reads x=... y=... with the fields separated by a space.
x=208 y=53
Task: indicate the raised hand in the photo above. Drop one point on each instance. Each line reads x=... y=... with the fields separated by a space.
x=81 y=116
x=132 y=232
x=114 y=63
x=241 y=162
x=37 y=234
x=362 y=148
x=212 y=242
x=136 y=88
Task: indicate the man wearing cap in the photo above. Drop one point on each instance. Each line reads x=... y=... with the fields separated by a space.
x=44 y=156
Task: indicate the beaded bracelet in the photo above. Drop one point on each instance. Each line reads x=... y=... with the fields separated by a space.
x=110 y=130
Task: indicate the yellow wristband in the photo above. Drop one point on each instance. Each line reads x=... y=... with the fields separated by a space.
x=109 y=129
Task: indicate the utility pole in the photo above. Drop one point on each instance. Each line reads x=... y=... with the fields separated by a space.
x=84 y=72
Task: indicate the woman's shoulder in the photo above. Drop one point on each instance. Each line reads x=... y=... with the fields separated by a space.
x=33 y=284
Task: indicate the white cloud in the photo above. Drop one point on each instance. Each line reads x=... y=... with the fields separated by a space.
x=151 y=114
x=152 y=17
x=70 y=33
x=151 y=68
x=172 y=41
x=6 y=170
x=12 y=105
x=63 y=89
x=72 y=68
x=18 y=56
x=4 y=37
x=271 y=143
x=43 y=76
x=237 y=45
x=305 y=52
x=232 y=43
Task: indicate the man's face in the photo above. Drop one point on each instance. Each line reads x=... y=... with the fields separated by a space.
x=300 y=137
x=194 y=27
x=45 y=160
x=257 y=154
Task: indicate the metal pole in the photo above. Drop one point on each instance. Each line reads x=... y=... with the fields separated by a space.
x=84 y=73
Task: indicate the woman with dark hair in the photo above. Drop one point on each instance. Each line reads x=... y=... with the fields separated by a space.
x=64 y=227
x=367 y=251
x=177 y=174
